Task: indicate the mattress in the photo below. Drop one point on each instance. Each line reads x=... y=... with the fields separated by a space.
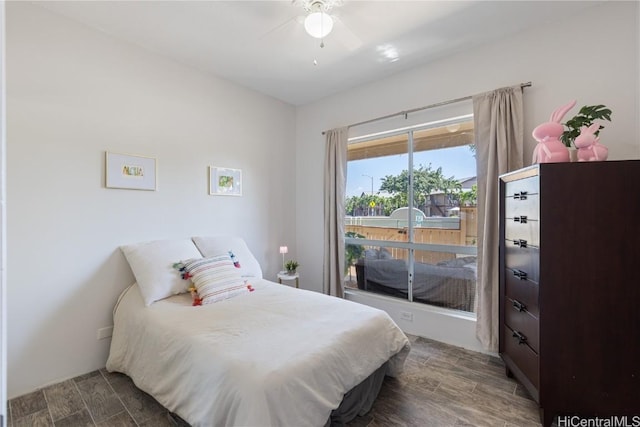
x=277 y=356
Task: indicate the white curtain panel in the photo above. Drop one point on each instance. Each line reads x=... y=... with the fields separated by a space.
x=498 y=122
x=335 y=177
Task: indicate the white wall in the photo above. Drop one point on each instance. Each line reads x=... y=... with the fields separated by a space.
x=592 y=57
x=3 y=223
x=72 y=94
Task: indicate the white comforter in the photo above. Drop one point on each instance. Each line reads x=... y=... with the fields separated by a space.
x=274 y=357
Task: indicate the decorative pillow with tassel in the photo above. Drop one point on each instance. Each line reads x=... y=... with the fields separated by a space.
x=215 y=278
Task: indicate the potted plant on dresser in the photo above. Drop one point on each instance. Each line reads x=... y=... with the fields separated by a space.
x=582 y=133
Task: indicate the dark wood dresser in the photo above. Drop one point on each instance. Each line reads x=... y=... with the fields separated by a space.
x=570 y=286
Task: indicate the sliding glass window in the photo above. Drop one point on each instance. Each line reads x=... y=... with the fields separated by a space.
x=411 y=213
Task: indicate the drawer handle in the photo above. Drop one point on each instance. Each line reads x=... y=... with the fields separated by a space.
x=521 y=338
x=520 y=219
x=520 y=243
x=519 y=306
x=520 y=274
x=522 y=195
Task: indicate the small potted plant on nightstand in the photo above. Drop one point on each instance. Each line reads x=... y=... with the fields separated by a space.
x=291 y=266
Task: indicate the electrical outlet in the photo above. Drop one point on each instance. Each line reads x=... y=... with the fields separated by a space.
x=406 y=315
x=105 y=332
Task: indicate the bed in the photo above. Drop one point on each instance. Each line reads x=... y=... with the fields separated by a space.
x=275 y=356
x=450 y=284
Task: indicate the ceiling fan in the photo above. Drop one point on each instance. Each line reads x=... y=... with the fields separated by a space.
x=318 y=23
x=319 y=20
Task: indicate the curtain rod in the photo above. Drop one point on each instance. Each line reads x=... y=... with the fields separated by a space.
x=413 y=110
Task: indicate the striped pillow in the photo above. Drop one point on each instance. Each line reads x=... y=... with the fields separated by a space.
x=216 y=278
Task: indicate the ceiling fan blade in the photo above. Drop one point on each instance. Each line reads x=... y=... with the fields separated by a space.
x=294 y=21
x=344 y=35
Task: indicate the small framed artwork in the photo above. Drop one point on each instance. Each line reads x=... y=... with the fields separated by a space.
x=130 y=172
x=225 y=181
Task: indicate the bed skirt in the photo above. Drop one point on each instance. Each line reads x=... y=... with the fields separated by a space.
x=359 y=400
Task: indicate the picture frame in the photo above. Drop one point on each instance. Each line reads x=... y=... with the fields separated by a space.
x=225 y=181
x=130 y=172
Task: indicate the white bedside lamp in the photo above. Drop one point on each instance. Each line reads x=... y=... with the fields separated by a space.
x=283 y=250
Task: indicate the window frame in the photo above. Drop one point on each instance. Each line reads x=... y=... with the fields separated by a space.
x=411 y=246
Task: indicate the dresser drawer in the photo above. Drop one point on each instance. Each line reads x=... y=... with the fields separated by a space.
x=522 y=260
x=524 y=228
x=523 y=291
x=528 y=206
x=523 y=322
x=522 y=355
x=526 y=186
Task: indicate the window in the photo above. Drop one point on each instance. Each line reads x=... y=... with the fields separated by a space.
x=411 y=213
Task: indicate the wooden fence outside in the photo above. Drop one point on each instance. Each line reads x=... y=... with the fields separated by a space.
x=465 y=235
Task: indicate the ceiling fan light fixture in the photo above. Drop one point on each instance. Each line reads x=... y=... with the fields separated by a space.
x=318 y=24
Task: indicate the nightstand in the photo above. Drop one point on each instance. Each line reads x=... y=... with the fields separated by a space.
x=285 y=276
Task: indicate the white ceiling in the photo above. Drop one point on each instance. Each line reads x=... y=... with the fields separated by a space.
x=262 y=44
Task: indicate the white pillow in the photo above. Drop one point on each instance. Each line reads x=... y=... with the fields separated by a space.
x=215 y=278
x=216 y=245
x=152 y=264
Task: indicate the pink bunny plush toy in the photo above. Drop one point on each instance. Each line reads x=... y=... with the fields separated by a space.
x=589 y=149
x=549 y=148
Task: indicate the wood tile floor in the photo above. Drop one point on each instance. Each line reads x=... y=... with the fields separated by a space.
x=442 y=385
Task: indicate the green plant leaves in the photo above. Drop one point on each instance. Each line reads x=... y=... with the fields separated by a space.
x=352 y=252
x=585 y=117
x=291 y=265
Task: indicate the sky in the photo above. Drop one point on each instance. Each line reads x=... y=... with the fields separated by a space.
x=458 y=162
